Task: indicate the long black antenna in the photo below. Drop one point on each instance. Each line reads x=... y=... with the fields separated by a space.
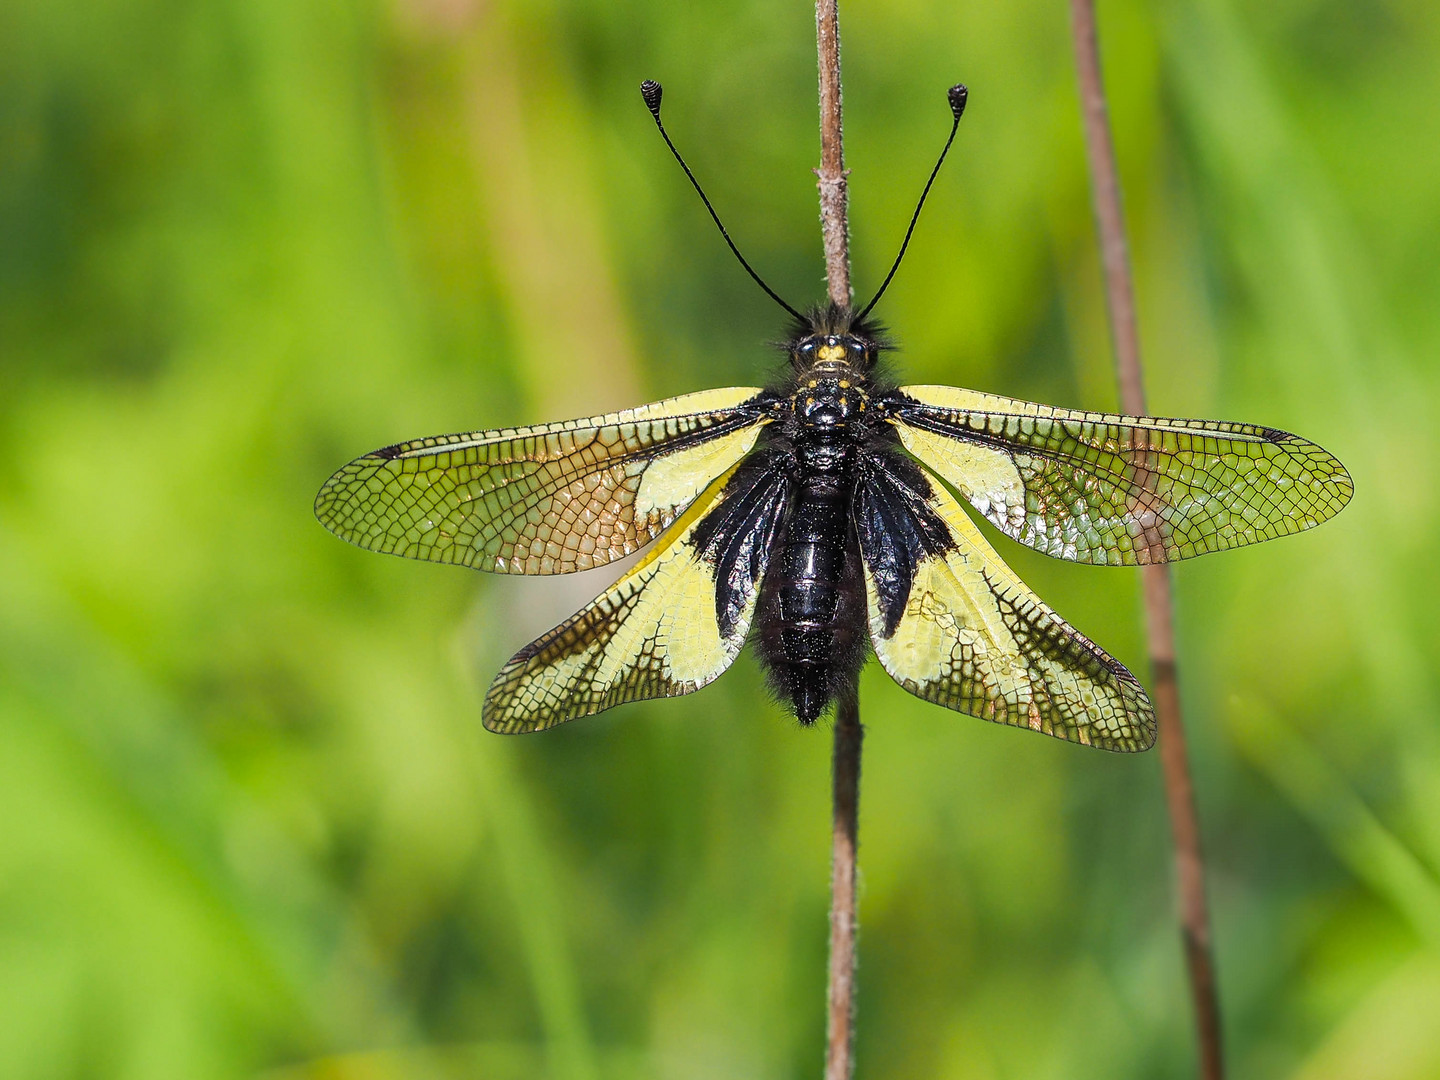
x=958 y=94
x=651 y=91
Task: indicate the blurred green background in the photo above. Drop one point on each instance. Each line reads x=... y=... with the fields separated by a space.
x=251 y=825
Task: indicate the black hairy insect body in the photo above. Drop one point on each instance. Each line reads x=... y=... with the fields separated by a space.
x=810 y=623
x=826 y=454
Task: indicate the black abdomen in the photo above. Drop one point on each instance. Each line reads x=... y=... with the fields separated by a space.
x=810 y=621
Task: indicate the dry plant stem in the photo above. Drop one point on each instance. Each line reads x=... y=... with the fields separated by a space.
x=834 y=199
x=1159 y=619
x=835 y=230
x=840 y=998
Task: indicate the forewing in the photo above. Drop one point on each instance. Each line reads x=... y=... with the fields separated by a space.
x=668 y=627
x=1126 y=490
x=954 y=625
x=542 y=500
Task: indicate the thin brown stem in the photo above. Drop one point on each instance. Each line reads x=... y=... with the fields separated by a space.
x=844 y=923
x=1159 y=617
x=834 y=198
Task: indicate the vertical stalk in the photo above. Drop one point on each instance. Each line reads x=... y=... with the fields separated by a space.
x=834 y=198
x=844 y=924
x=1159 y=615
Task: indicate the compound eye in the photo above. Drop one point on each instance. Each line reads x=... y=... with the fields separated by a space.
x=808 y=348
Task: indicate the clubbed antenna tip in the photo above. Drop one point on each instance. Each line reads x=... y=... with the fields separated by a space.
x=651 y=91
x=958 y=96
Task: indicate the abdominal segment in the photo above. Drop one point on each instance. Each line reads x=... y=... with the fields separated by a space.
x=810 y=624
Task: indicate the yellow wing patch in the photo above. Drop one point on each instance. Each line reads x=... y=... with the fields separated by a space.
x=973 y=638
x=549 y=499
x=653 y=634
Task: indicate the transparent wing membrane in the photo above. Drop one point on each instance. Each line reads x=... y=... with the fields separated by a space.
x=1101 y=488
x=549 y=499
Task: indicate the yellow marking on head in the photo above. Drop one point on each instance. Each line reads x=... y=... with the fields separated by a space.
x=831 y=352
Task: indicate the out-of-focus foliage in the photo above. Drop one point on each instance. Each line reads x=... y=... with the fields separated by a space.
x=251 y=825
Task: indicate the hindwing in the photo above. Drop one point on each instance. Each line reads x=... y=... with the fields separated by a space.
x=548 y=499
x=954 y=625
x=668 y=627
x=1119 y=490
